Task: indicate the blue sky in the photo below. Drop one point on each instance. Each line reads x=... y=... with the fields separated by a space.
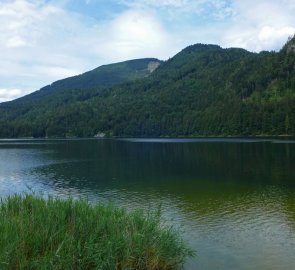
x=45 y=40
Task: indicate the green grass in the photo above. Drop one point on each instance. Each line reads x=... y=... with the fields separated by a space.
x=71 y=234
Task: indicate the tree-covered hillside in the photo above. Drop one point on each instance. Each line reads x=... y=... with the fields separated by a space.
x=87 y=84
x=76 y=89
x=203 y=90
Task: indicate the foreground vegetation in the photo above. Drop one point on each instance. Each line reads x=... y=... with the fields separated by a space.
x=65 y=234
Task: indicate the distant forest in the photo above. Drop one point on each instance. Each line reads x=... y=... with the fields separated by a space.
x=204 y=90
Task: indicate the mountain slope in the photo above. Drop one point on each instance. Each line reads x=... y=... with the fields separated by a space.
x=203 y=90
x=107 y=75
x=80 y=87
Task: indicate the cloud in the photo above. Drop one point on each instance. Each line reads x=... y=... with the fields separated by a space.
x=43 y=40
x=253 y=24
x=136 y=34
x=31 y=46
x=15 y=41
x=17 y=17
x=214 y=9
x=156 y=3
x=260 y=25
x=265 y=37
x=56 y=72
x=9 y=94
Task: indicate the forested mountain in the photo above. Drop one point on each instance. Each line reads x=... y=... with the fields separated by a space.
x=203 y=90
x=80 y=87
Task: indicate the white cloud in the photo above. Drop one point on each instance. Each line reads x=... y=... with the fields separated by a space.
x=57 y=72
x=136 y=34
x=253 y=24
x=260 y=25
x=156 y=3
x=265 y=37
x=32 y=54
x=41 y=41
x=9 y=94
x=15 y=41
x=215 y=9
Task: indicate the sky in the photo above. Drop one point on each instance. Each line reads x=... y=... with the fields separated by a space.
x=42 y=41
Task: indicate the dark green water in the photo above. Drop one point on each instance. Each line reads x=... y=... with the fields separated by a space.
x=233 y=199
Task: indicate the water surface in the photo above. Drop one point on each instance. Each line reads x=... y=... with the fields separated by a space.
x=234 y=199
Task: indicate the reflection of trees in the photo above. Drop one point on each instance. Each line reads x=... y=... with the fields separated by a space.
x=203 y=174
x=99 y=162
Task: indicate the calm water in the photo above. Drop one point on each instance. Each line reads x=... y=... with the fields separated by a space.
x=233 y=199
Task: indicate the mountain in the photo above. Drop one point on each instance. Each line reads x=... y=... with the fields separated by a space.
x=204 y=90
x=78 y=88
x=102 y=77
x=107 y=75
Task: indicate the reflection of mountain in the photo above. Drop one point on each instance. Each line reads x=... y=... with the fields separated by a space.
x=201 y=177
x=110 y=163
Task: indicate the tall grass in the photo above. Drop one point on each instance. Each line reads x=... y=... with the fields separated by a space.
x=67 y=234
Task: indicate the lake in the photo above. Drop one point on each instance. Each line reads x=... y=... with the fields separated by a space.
x=233 y=199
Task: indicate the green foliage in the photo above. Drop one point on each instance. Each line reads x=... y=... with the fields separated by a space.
x=203 y=90
x=65 y=234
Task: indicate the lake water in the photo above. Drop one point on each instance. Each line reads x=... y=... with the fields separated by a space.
x=233 y=199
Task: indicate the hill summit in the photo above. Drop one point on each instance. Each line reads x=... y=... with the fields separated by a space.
x=204 y=90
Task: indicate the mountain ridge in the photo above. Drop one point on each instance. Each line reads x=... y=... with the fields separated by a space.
x=204 y=90
x=99 y=77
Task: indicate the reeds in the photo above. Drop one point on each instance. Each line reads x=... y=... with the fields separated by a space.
x=38 y=233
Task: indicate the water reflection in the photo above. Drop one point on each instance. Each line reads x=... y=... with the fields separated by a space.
x=235 y=201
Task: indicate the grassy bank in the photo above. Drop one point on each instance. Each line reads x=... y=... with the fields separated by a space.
x=66 y=234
